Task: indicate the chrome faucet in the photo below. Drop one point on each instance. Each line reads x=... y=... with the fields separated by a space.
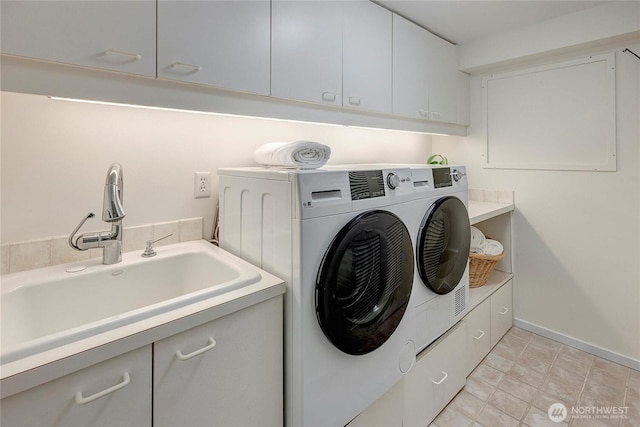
x=112 y=212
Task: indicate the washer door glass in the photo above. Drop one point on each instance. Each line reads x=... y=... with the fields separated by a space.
x=443 y=245
x=364 y=282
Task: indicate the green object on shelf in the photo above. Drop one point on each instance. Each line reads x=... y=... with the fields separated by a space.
x=437 y=159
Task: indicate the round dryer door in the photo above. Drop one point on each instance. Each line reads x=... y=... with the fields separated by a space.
x=364 y=282
x=443 y=245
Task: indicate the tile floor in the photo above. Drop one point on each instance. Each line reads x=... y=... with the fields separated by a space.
x=525 y=373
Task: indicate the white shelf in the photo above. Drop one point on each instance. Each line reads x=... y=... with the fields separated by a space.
x=495 y=282
x=481 y=211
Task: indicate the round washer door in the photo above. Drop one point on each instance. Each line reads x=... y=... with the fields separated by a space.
x=443 y=245
x=364 y=282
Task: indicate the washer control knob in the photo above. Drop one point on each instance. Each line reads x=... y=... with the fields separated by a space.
x=393 y=181
x=457 y=175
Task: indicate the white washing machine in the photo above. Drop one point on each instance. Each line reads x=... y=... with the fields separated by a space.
x=340 y=239
x=442 y=237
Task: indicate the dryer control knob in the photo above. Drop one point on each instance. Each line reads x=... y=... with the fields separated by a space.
x=393 y=181
x=457 y=175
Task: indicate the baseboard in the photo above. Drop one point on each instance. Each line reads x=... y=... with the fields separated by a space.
x=580 y=345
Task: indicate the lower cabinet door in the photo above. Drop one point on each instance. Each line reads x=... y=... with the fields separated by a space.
x=501 y=312
x=116 y=392
x=478 y=335
x=436 y=378
x=228 y=372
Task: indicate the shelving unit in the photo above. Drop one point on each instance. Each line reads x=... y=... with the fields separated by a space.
x=491 y=211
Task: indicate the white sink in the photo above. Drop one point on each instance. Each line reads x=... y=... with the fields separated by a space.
x=50 y=307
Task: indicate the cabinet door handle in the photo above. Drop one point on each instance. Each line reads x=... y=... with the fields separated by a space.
x=209 y=346
x=479 y=336
x=435 y=115
x=134 y=56
x=505 y=310
x=194 y=67
x=328 y=96
x=80 y=400
x=442 y=380
x=354 y=100
x=423 y=113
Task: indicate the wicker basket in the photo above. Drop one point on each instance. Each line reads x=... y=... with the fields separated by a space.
x=480 y=267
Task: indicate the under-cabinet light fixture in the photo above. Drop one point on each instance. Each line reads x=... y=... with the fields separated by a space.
x=211 y=113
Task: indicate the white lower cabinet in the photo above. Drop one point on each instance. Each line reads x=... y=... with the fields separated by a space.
x=478 y=335
x=501 y=312
x=439 y=373
x=116 y=392
x=227 y=372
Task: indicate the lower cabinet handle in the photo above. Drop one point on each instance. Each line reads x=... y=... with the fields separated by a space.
x=423 y=113
x=209 y=346
x=134 y=56
x=505 y=310
x=479 y=336
x=442 y=380
x=435 y=115
x=354 y=100
x=80 y=400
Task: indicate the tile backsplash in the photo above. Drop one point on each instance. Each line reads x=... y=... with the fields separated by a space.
x=21 y=256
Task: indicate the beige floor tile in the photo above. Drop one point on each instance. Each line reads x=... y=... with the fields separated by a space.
x=450 y=417
x=544 y=400
x=612 y=367
x=508 y=404
x=541 y=353
x=518 y=389
x=492 y=417
x=575 y=366
x=521 y=333
x=546 y=343
x=517 y=344
x=538 y=418
x=479 y=389
x=560 y=375
x=526 y=375
x=467 y=404
x=560 y=389
x=604 y=394
x=613 y=380
x=574 y=353
x=487 y=374
x=499 y=362
x=508 y=352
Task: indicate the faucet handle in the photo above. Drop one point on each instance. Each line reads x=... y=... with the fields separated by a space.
x=73 y=244
x=148 y=251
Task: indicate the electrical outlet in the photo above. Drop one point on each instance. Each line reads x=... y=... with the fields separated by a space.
x=201 y=185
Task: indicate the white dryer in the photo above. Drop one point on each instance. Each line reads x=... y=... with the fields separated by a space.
x=340 y=240
x=442 y=237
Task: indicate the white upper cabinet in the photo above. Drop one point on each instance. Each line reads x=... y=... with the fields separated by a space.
x=306 y=51
x=410 y=69
x=443 y=78
x=112 y=35
x=217 y=43
x=367 y=55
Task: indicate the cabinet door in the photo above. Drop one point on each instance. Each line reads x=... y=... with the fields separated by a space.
x=112 y=35
x=478 y=335
x=443 y=78
x=224 y=373
x=367 y=56
x=435 y=379
x=306 y=51
x=116 y=392
x=501 y=312
x=410 y=68
x=218 y=43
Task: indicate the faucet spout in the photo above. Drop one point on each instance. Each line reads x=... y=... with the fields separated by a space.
x=112 y=209
x=113 y=213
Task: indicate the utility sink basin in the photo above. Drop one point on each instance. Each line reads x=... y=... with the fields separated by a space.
x=50 y=307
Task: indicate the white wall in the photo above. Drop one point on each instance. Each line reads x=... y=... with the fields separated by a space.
x=55 y=156
x=577 y=234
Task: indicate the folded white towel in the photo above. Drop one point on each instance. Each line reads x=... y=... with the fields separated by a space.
x=492 y=247
x=477 y=240
x=299 y=154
